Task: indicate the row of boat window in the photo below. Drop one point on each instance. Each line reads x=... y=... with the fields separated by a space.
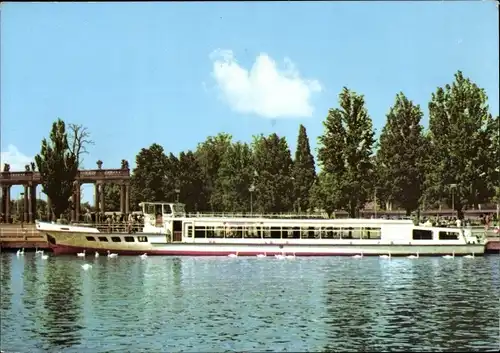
x=127 y=239
x=284 y=232
x=424 y=234
x=307 y=233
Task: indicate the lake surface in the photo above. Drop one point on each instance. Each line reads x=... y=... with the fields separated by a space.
x=169 y=304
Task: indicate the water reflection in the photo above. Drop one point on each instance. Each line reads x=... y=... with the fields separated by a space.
x=429 y=305
x=248 y=304
x=60 y=325
x=5 y=283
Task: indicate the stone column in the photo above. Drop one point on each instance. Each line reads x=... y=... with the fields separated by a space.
x=101 y=194
x=78 y=201
x=127 y=198
x=49 y=209
x=32 y=203
x=26 y=203
x=96 y=198
x=7 y=204
x=122 y=198
x=73 y=202
x=2 y=202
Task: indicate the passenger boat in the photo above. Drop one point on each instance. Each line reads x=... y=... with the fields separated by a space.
x=167 y=230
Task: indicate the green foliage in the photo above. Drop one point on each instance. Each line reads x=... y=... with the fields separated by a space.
x=326 y=193
x=58 y=168
x=209 y=154
x=190 y=181
x=345 y=154
x=303 y=171
x=412 y=167
x=148 y=178
x=460 y=144
x=234 y=178
x=112 y=197
x=400 y=157
x=494 y=151
x=273 y=184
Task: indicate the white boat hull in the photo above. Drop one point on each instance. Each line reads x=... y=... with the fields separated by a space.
x=217 y=249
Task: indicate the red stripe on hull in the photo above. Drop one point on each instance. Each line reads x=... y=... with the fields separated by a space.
x=70 y=250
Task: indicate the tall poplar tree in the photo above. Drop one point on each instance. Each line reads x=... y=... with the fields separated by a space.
x=401 y=154
x=58 y=168
x=303 y=171
x=344 y=152
x=460 y=144
x=273 y=183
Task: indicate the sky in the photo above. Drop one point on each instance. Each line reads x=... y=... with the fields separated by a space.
x=174 y=73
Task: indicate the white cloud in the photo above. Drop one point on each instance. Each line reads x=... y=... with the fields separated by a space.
x=15 y=158
x=263 y=90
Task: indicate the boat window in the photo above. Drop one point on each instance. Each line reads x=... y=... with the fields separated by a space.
x=445 y=235
x=251 y=232
x=422 y=234
x=219 y=232
x=210 y=232
x=200 y=232
x=103 y=239
x=233 y=232
x=167 y=209
x=237 y=231
x=291 y=232
x=327 y=233
x=129 y=239
x=296 y=232
x=351 y=233
x=90 y=238
x=150 y=209
x=371 y=233
x=116 y=239
x=142 y=239
x=310 y=233
x=266 y=232
x=178 y=208
x=276 y=232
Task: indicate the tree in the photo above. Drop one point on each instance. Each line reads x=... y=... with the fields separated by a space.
x=326 y=193
x=112 y=197
x=303 y=171
x=58 y=167
x=209 y=154
x=171 y=181
x=460 y=143
x=345 y=154
x=494 y=153
x=273 y=184
x=234 y=178
x=190 y=181
x=400 y=155
x=147 y=181
x=78 y=140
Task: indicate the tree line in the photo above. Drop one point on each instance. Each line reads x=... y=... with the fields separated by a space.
x=454 y=161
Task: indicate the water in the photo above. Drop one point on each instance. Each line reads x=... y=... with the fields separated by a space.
x=165 y=304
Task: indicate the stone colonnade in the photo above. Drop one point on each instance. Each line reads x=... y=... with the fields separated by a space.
x=29 y=202
x=99 y=202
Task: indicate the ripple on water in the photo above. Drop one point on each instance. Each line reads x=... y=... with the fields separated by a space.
x=249 y=304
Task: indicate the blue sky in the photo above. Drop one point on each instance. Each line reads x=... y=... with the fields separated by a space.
x=174 y=73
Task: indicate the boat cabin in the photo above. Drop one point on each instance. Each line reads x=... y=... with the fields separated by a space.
x=159 y=218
